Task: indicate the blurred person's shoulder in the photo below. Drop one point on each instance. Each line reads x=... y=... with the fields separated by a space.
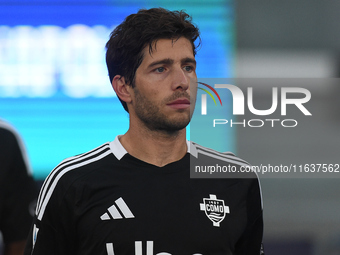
x=8 y=134
x=11 y=145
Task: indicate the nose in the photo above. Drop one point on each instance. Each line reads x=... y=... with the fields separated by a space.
x=181 y=80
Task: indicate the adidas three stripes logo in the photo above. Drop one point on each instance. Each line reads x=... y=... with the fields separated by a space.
x=118 y=210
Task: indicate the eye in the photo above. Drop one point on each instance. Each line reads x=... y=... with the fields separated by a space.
x=160 y=69
x=188 y=68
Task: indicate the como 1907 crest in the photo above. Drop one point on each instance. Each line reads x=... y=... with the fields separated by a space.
x=214 y=209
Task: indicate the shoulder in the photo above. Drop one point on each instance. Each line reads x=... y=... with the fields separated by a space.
x=203 y=153
x=12 y=145
x=212 y=164
x=75 y=166
x=8 y=133
x=66 y=174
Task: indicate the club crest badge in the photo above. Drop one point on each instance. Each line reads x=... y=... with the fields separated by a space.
x=214 y=209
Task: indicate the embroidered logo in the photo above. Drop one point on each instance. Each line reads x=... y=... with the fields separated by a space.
x=118 y=210
x=214 y=209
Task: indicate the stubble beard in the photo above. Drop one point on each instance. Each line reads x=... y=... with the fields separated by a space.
x=149 y=113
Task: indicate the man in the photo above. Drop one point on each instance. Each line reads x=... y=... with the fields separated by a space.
x=134 y=195
x=17 y=191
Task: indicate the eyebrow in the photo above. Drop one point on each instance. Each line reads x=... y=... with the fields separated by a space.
x=168 y=61
x=189 y=60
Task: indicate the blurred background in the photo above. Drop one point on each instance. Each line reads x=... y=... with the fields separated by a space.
x=55 y=90
x=294 y=39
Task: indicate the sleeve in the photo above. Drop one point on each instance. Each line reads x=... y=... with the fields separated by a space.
x=18 y=189
x=250 y=242
x=53 y=229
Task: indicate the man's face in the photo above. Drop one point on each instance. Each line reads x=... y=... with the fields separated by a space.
x=165 y=88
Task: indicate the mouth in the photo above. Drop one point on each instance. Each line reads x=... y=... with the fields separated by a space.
x=181 y=103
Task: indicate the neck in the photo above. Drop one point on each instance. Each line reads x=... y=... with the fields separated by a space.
x=155 y=147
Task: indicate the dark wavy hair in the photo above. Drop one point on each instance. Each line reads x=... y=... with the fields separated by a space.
x=125 y=47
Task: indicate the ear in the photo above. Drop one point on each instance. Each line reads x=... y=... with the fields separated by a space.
x=121 y=88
